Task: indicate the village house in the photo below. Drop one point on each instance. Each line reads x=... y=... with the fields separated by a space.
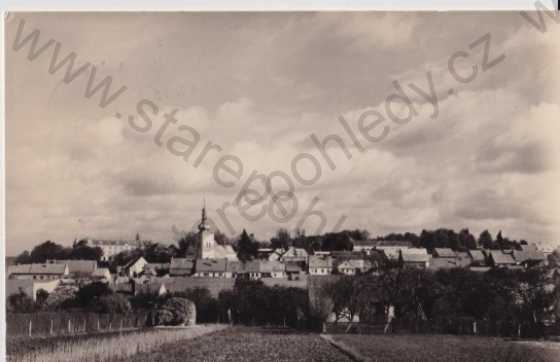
x=264 y=253
x=38 y=271
x=294 y=271
x=443 y=253
x=365 y=246
x=211 y=268
x=478 y=258
x=102 y=275
x=529 y=258
x=233 y=269
x=30 y=287
x=415 y=259
x=181 y=267
x=320 y=265
x=352 y=266
x=134 y=267
x=499 y=259
x=157 y=269
x=445 y=258
x=275 y=255
x=293 y=254
x=77 y=269
x=258 y=269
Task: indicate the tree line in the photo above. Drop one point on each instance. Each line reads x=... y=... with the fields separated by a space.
x=246 y=245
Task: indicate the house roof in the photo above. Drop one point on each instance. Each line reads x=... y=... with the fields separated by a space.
x=134 y=261
x=534 y=255
x=133 y=244
x=234 y=267
x=319 y=261
x=480 y=269
x=263 y=266
x=352 y=264
x=181 y=263
x=157 y=266
x=477 y=255
x=294 y=252
x=84 y=267
x=443 y=263
x=444 y=253
x=55 y=269
x=210 y=265
x=415 y=257
x=529 y=247
x=500 y=258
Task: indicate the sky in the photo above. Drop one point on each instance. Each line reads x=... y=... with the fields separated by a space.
x=477 y=154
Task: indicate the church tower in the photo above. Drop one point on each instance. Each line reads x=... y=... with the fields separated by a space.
x=206 y=247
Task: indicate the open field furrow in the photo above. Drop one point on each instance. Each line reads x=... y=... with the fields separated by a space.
x=248 y=345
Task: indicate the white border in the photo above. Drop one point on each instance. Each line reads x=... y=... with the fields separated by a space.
x=200 y=5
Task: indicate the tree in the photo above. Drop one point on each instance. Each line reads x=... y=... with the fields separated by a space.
x=88 y=295
x=467 y=240
x=23 y=258
x=247 y=248
x=82 y=251
x=188 y=244
x=485 y=240
x=48 y=250
x=113 y=303
x=221 y=238
x=21 y=302
x=281 y=240
x=206 y=305
x=175 y=311
x=41 y=298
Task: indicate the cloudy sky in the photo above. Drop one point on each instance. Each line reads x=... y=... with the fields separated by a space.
x=258 y=85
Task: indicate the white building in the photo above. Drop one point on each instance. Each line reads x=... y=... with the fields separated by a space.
x=208 y=248
x=113 y=247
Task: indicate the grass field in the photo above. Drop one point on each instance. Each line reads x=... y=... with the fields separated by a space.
x=248 y=345
x=100 y=347
x=443 y=348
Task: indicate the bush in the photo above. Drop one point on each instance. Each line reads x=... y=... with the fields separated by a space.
x=114 y=303
x=175 y=311
x=21 y=303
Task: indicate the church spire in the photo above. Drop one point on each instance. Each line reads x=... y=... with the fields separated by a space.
x=203 y=224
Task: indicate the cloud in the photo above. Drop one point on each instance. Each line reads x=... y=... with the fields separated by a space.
x=258 y=84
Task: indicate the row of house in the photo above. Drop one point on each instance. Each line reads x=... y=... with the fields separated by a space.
x=215 y=268
x=60 y=269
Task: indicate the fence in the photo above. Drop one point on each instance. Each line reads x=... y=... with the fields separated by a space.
x=461 y=326
x=59 y=324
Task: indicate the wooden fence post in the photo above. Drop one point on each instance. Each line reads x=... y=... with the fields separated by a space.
x=98 y=329
x=30 y=327
x=69 y=327
x=51 y=330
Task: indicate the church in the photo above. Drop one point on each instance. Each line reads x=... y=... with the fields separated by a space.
x=208 y=248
